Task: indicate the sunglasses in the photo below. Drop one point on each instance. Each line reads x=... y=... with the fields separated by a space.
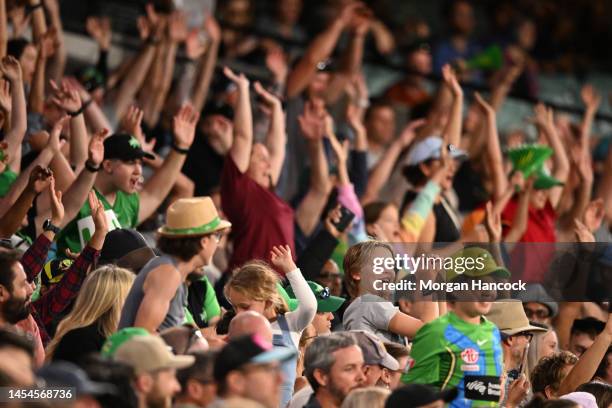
x=539 y=313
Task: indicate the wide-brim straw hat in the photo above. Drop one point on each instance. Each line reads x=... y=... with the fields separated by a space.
x=195 y=216
x=509 y=316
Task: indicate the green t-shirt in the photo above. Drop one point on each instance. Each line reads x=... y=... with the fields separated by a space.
x=450 y=352
x=123 y=214
x=7 y=178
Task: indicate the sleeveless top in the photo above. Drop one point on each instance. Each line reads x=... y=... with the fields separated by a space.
x=447 y=225
x=175 y=315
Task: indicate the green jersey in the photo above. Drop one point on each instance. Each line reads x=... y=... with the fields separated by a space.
x=122 y=214
x=450 y=352
x=7 y=178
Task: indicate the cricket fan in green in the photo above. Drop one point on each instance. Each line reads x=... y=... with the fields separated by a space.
x=462 y=348
x=119 y=179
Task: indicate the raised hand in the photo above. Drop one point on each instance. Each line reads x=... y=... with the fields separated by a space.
x=483 y=105
x=184 y=125
x=99 y=28
x=95 y=151
x=312 y=122
x=450 y=79
x=177 y=27
x=268 y=97
x=131 y=122
x=66 y=97
x=57 y=207
x=48 y=43
x=590 y=97
x=582 y=232
x=97 y=213
x=276 y=62
x=341 y=150
x=240 y=80
x=6 y=102
x=594 y=214
x=54 y=143
x=194 y=47
x=493 y=223
x=212 y=28
x=541 y=115
x=409 y=132
x=11 y=69
x=280 y=256
x=517 y=181
x=40 y=178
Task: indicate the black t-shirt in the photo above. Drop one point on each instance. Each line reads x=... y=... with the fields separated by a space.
x=79 y=343
x=203 y=166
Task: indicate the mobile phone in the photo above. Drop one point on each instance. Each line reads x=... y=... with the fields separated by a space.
x=346 y=216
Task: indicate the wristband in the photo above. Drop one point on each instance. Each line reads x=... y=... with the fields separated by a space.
x=84 y=106
x=179 y=149
x=91 y=168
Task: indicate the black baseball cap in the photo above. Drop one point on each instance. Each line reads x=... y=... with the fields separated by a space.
x=249 y=349
x=218 y=108
x=417 y=395
x=66 y=374
x=123 y=146
x=127 y=248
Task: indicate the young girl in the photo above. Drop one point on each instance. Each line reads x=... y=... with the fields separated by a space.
x=371 y=309
x=253 y=287
x=95 y=315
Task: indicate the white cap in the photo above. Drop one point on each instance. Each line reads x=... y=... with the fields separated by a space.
x=429 y=148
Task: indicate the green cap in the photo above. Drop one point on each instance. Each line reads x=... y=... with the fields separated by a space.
x=115 y=340
x=325 y=301
x=292 y=303
x=482 y=264
x=544 y=181
x=529 y=158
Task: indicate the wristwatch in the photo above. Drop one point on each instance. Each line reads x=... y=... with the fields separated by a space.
x=48 y=226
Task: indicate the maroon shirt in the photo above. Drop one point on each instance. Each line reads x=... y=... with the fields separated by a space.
x=260 y=219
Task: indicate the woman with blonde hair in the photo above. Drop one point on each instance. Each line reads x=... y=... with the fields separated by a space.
x=368 y=397
x=254 y=286
x=95 y=314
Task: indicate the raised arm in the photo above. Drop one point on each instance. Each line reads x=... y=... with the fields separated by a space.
x=94 y=117
x=11 y=70
x=10 y=222
x=39 y=24
x=3 y=28
x=545 y=121
x=309 y=210
x=68 y=99
x=585 y=368
x=243 y=122
x=158 y=186
x=209 y=60
x=494 y=153
x=276 y=140
x=58 y=61
x=46 y=49
x=591 y=100
x=76 y=195
x=320 y=49
x=383 y=169
x=452 y=131
x=385 y=44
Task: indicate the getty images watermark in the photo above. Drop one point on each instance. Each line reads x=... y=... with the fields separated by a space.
x=457 y=264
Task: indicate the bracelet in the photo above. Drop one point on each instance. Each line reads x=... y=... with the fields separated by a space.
x=29 y=8
x=91 y=168
x=84 y=106
x=179 y=149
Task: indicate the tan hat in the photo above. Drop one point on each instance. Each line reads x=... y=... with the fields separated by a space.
x=509 y=316
x=146 y=354
x=192 y=217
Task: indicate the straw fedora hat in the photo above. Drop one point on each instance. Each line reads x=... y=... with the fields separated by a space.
x=509 y=316
x=192 y=217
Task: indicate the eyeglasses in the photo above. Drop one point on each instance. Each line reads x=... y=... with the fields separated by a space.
x=539 y=313
x=528 y=336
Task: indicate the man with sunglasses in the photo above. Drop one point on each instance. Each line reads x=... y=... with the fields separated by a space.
x=198 y=386
x=516 y=334
x=539 y=306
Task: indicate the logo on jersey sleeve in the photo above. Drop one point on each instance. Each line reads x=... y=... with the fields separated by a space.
x=87 y=227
